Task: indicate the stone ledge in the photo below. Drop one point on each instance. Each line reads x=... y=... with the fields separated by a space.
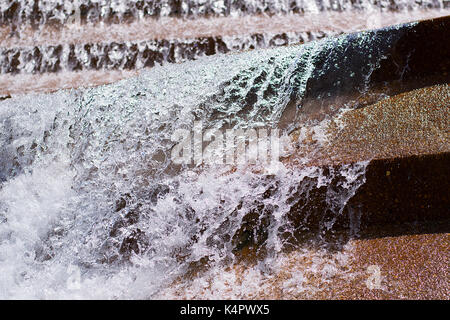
x=409 y=124
x=39 y=12
x=406 y=180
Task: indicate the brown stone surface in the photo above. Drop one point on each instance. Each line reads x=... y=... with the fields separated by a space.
x=411 y=267
x=402 y=267
x=405 y=197
x=412 y=123
x=399 y=196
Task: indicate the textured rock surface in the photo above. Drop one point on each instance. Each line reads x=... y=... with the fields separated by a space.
x=410 y=189
x=412 y=123
x=402 y=267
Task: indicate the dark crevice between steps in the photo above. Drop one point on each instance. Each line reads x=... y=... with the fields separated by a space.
x=404 y=190
x=402 y=196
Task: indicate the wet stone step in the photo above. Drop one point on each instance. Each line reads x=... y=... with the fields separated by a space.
x=39 y=12
x=139 y=54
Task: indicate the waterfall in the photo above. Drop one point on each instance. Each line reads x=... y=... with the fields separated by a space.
x=91 y=204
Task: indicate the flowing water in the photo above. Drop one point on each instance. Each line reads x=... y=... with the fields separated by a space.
x=40 y=12
x=63 y=36
x=92 y=205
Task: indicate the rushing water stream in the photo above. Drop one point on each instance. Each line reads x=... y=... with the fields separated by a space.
x=93 y=206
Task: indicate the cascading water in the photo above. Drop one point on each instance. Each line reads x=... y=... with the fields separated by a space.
x=91 y=205
x=47 y=36
x=136 y=54
x=60 y=11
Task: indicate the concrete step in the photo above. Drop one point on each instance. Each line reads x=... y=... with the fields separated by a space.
x=412 y=267
x=38 y=12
